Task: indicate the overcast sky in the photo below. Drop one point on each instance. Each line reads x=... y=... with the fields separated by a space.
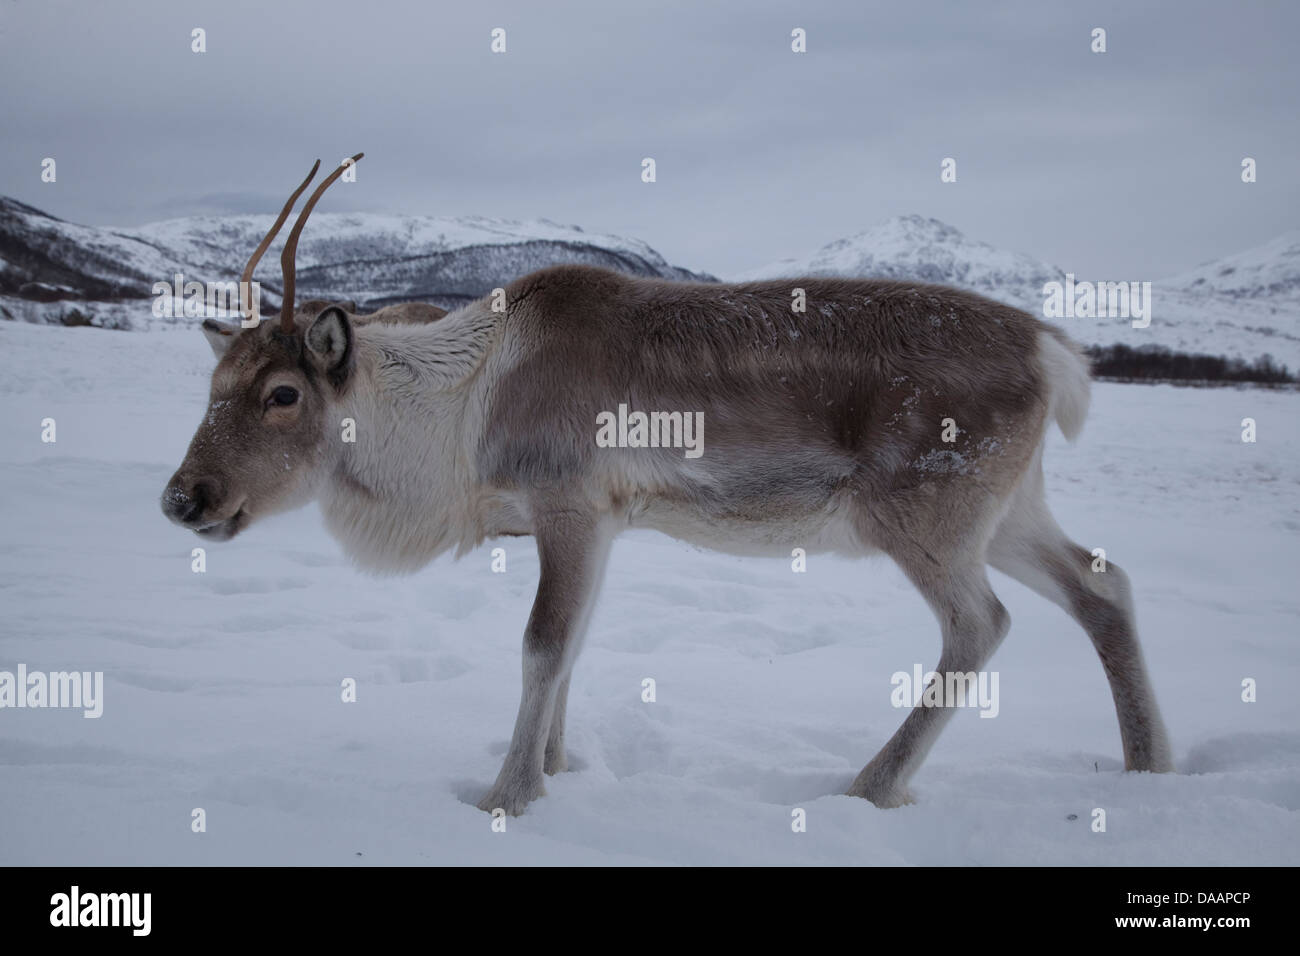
x=1123 y=165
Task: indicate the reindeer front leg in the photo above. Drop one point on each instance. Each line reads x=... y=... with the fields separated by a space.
x=572 y=546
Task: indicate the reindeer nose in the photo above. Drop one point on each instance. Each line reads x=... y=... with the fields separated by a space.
x=184 y=501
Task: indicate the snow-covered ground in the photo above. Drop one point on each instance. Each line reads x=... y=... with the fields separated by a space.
x=222 y=689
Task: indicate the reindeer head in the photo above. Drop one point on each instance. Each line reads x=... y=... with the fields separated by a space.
x=264 y=444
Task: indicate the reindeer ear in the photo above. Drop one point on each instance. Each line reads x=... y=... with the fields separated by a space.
x=219 y=335
x=329 y=341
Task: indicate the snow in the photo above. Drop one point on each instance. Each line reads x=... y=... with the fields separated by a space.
x=222 y=689
x=1269 y=270
x=197 y=238
x=919 y=249
x=104 y=254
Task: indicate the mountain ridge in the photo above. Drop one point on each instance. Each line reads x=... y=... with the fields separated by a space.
x=51 y=270
x=50 y=267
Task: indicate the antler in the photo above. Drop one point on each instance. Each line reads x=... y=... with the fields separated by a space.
x=288 y=258
x=245 y=288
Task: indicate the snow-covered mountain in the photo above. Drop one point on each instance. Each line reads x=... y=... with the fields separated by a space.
x=1245 y=305
x=1270 y=271
x=52 y=271
x=919 y=249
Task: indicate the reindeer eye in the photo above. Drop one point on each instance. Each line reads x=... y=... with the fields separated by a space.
x=283 y=395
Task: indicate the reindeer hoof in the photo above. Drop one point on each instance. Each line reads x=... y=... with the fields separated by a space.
x=886 y=798
x=512 y=798
x=557 y=761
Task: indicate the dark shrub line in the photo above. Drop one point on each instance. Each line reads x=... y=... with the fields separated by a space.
x=1155 y=363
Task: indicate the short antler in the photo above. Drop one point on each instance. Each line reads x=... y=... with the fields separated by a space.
x=245 y=283
x=288 y=258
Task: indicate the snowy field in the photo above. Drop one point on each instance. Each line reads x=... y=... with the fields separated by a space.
x=222 y=689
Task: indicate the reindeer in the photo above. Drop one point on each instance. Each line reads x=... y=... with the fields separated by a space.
x=823 y=433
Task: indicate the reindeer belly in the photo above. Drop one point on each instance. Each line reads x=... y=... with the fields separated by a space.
x=752 y=504
x=826 y=529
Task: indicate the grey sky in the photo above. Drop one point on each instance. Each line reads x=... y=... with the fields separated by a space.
x=1124 y=165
